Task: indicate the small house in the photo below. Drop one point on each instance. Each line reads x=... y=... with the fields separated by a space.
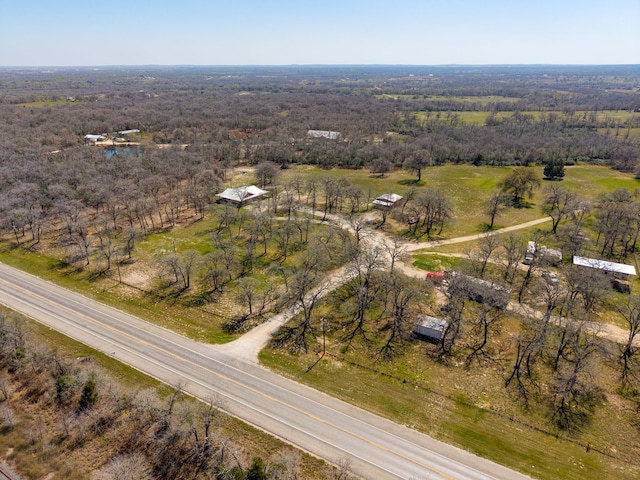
x=129 y=132
x=241 y=195
x=430 y=329
x=387 y=201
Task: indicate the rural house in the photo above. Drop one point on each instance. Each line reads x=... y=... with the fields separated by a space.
x=240 y=196
x=90 y=138
x=619 y=272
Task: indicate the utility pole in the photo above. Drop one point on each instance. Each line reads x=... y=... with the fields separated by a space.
x=324 y=338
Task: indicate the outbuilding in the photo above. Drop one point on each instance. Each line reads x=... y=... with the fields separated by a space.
x=90 y=138
x=428 y=328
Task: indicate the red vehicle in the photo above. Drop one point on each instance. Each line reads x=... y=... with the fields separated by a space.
x=435 y=276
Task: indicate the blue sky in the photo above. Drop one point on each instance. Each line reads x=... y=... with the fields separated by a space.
x=283 y=32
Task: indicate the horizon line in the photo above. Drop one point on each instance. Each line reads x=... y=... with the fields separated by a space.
x=442 y=65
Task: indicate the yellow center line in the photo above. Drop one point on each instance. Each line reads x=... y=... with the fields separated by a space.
x=226 y=378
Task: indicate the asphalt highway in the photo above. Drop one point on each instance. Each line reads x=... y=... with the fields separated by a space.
x=325 y=427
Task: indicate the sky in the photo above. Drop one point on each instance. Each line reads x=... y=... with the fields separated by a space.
x=286 y=32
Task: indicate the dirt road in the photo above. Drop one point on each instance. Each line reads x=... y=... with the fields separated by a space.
x=249 y=345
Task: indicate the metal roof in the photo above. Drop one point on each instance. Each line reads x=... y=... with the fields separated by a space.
x=324 y=134
x=427 y=321
x=388 y=199
x=604 y=265
x=242 y=194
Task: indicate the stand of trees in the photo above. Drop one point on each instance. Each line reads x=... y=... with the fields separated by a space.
x=58 y=408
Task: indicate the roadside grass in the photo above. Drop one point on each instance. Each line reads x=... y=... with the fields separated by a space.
x=470 y=409
x=193 y=322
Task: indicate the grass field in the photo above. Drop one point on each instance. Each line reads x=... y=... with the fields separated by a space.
x=480 y=117
x=467 y=186
x=471 y=410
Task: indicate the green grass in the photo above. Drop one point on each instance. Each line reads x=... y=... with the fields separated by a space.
x=468 y=186
x=435 y=263
x=474 y=117
x=471 y=410
x=193 y=322
x=484 y=99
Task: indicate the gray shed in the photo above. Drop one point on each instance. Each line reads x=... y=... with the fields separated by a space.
x=429 y=328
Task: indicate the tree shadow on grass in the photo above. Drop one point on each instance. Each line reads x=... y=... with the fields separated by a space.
x=485 y=228
x=412 y=182
x=523 y=204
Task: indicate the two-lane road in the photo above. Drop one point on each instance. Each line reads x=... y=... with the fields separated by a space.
x=312 y=421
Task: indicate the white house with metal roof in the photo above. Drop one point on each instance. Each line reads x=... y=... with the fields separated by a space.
x=239 y=196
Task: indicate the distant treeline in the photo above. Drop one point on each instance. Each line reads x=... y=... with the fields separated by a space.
x=253 y=114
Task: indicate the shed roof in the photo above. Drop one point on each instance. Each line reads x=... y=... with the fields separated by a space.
x=388 y=199
x=428 y=321
x=604 y=265
x=242 y=194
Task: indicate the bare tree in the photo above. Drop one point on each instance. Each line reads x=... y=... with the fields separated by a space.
x=247 y=293
x=435 y=209
x=558 y=203
x=303 y=293
x=495 y=205
x=574 y=384
x=485 y=322
x=267 y=173
x=417 y=161
x=514 y=247
x=630 y=312
x=487 y=245
x=402 y=293
x=363 y=289
x=520 y=184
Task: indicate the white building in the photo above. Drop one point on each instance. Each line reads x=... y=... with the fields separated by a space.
x=324 y=134
x=241 y=195
x=387 y=201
